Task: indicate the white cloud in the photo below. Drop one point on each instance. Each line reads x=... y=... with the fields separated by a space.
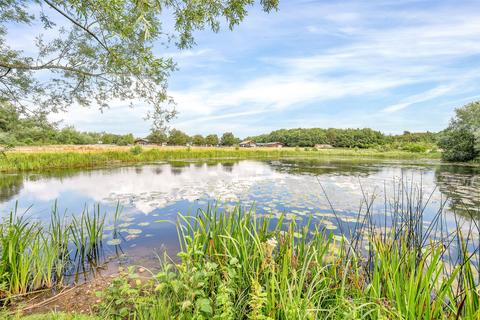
x=395 y=55
x=424 y=96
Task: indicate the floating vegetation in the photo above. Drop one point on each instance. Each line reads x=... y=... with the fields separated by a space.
x=237 y=265
x=134 y=231
x=114 y=242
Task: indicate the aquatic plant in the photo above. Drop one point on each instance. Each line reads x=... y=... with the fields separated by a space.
x=36 y=255
x=22 y=161
x=237 y=265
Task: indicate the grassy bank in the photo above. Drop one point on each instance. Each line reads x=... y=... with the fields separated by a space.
x=240 y=265
x=85 y=158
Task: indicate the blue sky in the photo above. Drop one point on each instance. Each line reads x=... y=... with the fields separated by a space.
x=389 y=65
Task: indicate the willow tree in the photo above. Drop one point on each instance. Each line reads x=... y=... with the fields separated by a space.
x=89 y=52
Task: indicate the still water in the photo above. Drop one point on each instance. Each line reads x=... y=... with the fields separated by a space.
x=151 y=194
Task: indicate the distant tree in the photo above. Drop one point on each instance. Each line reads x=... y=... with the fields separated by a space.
x=198 y=140
x=157 y=136
x=461 y=140
x=228 y=139
x=344 y=138
x=178 y=138
x=211 y=140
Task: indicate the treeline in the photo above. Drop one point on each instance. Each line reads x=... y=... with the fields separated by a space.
x=37 y=130
x=179 y=138
x=350 y=138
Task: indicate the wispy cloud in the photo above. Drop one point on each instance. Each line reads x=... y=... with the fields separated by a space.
x=385 y=64
x=424 y=96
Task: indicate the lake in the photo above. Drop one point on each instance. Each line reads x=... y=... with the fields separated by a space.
x=330 y=191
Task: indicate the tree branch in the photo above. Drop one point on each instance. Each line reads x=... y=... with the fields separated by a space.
x=6 y=73
x=21 y=66
x=53 y=6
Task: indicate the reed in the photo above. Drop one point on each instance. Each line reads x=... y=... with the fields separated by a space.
x=14 y=161
x=35 y=255
x=238 y=265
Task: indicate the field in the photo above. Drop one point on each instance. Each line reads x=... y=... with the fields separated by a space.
x=57 y=157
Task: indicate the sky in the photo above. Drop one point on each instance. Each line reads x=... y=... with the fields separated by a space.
x=391 y=65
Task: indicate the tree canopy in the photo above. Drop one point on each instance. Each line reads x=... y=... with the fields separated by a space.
x=461 y=140
x=228 y=139
x=91 y=52
x=198 y=140
x=37 y=130
x=178 y=138
x=212 y=140
x=157 y=136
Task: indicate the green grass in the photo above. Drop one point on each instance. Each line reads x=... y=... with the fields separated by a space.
x=18 y=161
x=35 y=255
x=237 y=265
x=51 y=316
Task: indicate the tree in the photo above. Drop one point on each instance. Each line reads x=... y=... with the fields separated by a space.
x=211 y=140
x=198 y=140
x=102 y=50
x=177 y=138
x=461 y=140
x=228 y=139
x=157 y=136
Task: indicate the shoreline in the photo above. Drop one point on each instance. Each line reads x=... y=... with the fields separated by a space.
x=23 y=159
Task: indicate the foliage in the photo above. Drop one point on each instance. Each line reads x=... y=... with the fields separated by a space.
x=461 y=140
x=136 y=150
x=342 y=138
x=51 y=316
x=212 y=140
x=22 y=161
x=228 y=139
x=157 y=136
x=458 y=145
x=35 y=256
x=237 y=265
x=198 y=140
x=350 y=138
x=178 y=138
x=37 y=130
x=102 y=50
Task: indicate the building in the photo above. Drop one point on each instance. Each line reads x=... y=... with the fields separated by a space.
x=248 y=144
x=141 y=142
x=270 y=145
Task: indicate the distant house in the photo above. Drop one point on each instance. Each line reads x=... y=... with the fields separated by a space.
x=323 y=146
x=248 y=144
x=270 y=145
x=141 y=142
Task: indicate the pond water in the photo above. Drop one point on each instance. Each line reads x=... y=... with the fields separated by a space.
x=151 y=193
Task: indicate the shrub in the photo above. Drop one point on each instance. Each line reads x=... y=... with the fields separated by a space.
x=136 y=150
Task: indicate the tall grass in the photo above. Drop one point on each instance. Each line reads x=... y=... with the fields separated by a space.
x=237 y=265
x=35 y=255
x=19 y=161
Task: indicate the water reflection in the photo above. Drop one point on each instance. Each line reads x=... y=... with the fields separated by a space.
x=461 y=184
x=153 y=193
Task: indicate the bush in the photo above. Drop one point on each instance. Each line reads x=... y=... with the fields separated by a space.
x=458 y=145
x=136 y=150
x=415 y=147
x=461 y=141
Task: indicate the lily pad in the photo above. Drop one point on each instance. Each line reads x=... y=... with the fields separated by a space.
x=114 y=242
x=134 y=231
